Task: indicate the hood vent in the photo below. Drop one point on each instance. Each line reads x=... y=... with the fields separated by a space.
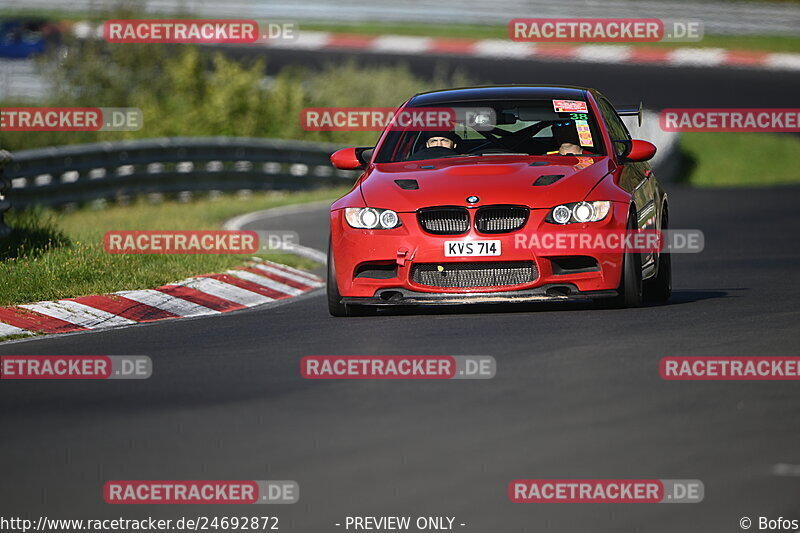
x=547 y=179
x=409 y=185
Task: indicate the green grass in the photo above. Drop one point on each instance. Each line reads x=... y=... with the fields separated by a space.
x=15 y=337
x=60 y=255
x=741 y=159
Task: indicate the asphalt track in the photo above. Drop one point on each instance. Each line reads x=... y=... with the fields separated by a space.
x=577 y=395
x=577 y=392
x=659 y=86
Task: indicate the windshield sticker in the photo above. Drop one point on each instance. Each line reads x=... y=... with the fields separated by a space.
x=584 y=133
x=570 y=106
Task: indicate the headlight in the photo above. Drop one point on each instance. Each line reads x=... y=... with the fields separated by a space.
x=369 y=218
x=389 y=219
x=583 y=212
x=562 y=214
x=579 y=212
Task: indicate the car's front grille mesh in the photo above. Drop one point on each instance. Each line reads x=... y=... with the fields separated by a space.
x=479 y=274
x=444 y=220
x=488 y=219
x=501 y=219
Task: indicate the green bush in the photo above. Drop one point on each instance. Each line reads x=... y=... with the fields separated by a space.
x=183 y=91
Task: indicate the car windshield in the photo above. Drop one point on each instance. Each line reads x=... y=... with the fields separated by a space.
x=483 y=128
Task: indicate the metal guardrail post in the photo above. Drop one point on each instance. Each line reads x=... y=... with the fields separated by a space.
x=5 y=157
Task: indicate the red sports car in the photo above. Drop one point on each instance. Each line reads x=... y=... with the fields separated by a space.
x=462 y=214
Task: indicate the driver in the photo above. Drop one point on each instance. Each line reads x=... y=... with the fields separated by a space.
x=443 y=139
x=438 y=144
x=566 y=138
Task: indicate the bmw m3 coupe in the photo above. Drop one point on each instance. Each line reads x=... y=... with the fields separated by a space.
x=459 y=214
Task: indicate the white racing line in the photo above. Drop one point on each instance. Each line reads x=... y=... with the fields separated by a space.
x=786 y=470
x=237 y=223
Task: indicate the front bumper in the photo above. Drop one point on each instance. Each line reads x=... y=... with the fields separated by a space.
x=546 y=293
x=396 y=251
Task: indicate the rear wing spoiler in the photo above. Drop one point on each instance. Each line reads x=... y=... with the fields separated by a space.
x=630 y=111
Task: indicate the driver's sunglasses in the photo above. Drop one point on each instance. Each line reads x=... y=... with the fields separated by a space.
x=560 y=124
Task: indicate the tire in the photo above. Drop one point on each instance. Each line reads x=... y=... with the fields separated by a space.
x=659 y=288
x=630 y=290
x=335 y=306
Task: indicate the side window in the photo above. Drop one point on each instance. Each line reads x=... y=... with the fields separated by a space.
x=615 y=125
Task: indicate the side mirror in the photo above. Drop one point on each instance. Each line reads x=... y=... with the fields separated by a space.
x=351 y=158
x=622 y=147
x=640 y=151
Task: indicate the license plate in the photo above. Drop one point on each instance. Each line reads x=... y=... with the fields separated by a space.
x=471 y=248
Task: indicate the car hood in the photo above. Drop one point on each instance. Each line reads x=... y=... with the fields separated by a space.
x=493 y=180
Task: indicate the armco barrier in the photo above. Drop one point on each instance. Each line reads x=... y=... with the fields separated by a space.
x=80 y=174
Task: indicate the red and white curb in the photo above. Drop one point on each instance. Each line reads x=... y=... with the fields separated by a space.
x=256 y=283
x=508 y=49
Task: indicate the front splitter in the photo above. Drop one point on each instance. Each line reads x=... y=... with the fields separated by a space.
x=547 y=293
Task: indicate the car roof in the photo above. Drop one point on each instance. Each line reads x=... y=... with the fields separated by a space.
x=500 y=92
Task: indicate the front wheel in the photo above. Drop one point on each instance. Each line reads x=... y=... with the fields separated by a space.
x=629 y=292
x=335 y=305
x=659 y=288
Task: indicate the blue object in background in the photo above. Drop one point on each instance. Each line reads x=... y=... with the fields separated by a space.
x=21 y=39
